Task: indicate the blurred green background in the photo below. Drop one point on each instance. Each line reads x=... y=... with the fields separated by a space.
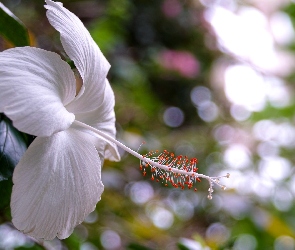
x=205 y=78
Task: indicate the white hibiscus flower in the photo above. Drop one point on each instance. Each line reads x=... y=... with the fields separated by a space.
x=57 y=183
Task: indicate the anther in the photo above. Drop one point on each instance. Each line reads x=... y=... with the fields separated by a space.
x=180 y=171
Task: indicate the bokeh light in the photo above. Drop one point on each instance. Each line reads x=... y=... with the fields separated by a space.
x=284 y=243
x=88 y=246
x=245 y=242
x=110 y=239
x=173 y=117
x=10 y=238
x=200 y=95
x=237 y=156
x=244 y=87
x=217 y=233
x=161 y=217
x=141 y=192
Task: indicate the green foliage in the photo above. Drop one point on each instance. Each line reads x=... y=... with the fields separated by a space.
x=108 y=31
x=5 y=193
x=73 y=242
x=134 y=246
x=182 y=247
x=290 y=10
x=34 y=247
x=12 y=29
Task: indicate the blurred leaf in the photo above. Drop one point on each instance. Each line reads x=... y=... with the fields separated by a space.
x=12 y=147
x=35 y=247
x=72 y=242
x=12 y=29
x=273 y=113
x=182 y=247
x=135 y=246
x=276 y=227
x=110 y=31
x=105 y=35
x=290 y=10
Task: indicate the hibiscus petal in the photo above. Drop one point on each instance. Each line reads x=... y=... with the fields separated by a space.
x=103 y=118
x=80 y=47
x=35 y=85
x=56 y=185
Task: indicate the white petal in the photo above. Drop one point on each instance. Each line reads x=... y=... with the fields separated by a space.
x=56 y=185
x=80 y=47
x=103 y=118
x=34 y=87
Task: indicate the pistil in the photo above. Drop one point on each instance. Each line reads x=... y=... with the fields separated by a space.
x=179 y=170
